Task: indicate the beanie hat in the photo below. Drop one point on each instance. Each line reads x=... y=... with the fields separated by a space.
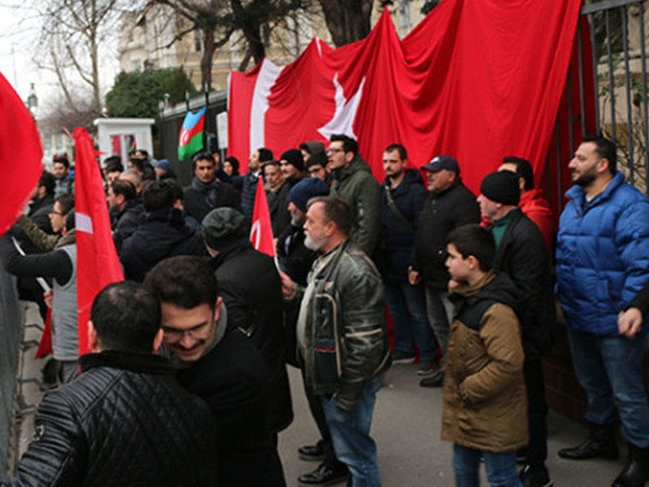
x=222 y=226
x=163 y=164
x=501 y=187
x=306 y=189
x=294 y=157
x=265 y=154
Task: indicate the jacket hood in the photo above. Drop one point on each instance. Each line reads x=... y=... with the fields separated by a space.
x=578 y=195
x=493 y=286
x=358 y=164
x=534 y=199
x=412 y=176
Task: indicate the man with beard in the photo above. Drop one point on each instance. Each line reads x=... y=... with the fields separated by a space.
x=342 y=334
x=205 y=192
x=602 y=263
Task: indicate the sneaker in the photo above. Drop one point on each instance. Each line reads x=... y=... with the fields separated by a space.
x=426 y=367
x=399 y=357
x=535 y=476
x=435 y=380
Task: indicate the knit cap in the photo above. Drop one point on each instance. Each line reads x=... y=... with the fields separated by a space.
x=222 y=226
x=501 y=187
x=306 y=189
x=294 y=157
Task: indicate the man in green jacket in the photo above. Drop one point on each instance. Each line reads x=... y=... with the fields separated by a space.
x=354 y=183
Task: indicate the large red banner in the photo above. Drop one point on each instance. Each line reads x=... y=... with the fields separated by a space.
x=476 y=79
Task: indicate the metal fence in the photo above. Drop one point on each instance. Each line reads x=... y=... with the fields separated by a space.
x=10 y=338
x=606 y=92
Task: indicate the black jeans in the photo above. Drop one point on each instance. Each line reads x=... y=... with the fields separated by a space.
x=537 y=410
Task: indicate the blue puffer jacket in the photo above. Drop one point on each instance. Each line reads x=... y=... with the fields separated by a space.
x=602 y=255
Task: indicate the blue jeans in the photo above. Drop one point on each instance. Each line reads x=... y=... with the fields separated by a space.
x=407 y=308
x=350 y=432
x=500 y=467
x=609 y=368
x=440 y=314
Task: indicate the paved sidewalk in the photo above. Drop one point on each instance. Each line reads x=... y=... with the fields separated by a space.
x=406 y=428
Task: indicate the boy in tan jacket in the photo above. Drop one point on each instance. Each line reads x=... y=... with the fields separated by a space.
x=485 y=405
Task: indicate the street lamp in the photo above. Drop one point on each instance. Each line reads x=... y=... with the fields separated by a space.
x=32 y=100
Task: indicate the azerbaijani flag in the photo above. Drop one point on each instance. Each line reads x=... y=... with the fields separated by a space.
x=190 y=140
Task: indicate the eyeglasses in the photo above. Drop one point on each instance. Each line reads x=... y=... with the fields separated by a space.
x=333 y=150
x=175 y=334
x=56 y=213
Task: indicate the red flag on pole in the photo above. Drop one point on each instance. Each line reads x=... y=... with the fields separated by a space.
x=45 y=345
x=261 y=232
x=20 y=154
x=97 y=261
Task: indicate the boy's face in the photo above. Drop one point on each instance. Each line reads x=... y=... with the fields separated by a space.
x=458 y=267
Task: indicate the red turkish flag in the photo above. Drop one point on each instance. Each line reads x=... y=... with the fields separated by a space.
x=476 y=79
x=261 y=231
x=97 y=261
x=20 y=155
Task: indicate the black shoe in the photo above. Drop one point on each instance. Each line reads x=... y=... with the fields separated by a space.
x=312 y=453
x=328 y=473
x=435 y=380
x=599 y=444
x=636 y=471
x=535 y=476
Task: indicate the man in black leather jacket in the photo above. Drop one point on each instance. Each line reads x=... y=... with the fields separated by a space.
x=342 y=334
x=125 y=420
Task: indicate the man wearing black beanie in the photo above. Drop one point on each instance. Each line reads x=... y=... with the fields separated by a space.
x=292 y=164
x=521 y=254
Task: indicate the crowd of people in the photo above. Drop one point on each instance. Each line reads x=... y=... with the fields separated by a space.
x=186 y=382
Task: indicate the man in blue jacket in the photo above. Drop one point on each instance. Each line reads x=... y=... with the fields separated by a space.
x=602 y=262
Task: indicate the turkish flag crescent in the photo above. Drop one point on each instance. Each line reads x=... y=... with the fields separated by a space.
x=97 y=261
x=20 y=154
x=261 y=232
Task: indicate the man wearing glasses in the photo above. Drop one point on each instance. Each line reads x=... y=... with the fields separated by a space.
x=221 y=366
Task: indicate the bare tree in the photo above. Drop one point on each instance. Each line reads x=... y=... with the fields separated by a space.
x=218 y=20
x=70 y=44
x=347 y=20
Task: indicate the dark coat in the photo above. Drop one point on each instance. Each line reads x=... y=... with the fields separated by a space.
x=248 y=191
x=125 y=223
x=280 y=218
x=443 y=212
x=124 y=421
x=199 y=199
x=252 y=292
x=523 y=257
x=162 y=234
x=231 y=378
x=397 y=237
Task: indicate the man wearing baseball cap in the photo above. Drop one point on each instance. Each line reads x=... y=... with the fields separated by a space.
x=450 y=205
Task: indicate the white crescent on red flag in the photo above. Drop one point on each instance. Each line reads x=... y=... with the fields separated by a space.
x=261 y=231
x=476 y=79
x=97 y=261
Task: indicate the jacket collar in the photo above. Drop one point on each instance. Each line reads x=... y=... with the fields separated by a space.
x=146 y=363
x=578 y=195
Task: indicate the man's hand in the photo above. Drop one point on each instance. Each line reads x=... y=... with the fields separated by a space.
x=452 y=284
x=288 y=286
x=413 y=276
x=48 y=297
x=629 y=322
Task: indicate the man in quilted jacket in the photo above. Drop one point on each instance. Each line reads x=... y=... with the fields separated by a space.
x=125 y=420
x=602 y=262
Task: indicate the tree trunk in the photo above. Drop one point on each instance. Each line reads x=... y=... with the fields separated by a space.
x=206 y=61
x=347 y=20
x=251 y=31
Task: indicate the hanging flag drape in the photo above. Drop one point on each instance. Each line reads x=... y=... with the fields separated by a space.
x=97 y=261
x=20 y=155
x=190 y=139
x=476 y=79
x=261 y=231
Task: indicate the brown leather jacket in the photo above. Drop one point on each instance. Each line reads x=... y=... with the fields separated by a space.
x=485 y=404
